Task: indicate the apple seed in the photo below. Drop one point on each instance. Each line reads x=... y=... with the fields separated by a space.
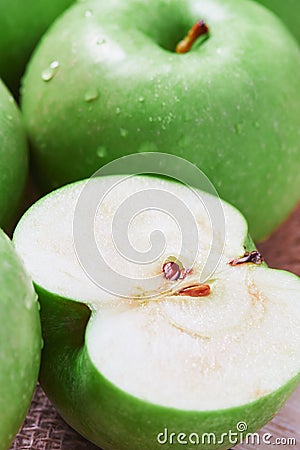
x=253 y=257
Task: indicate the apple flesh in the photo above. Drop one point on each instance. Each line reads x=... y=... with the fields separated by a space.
x=122 y=368
x=106 y=82
x=22 y=24
x=13 y=157
x=20 y=342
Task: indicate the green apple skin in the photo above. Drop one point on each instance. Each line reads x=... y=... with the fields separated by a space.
x=99 y=410
x=20 y=342
x=13 y=157
x=21 y=26
x=288 y=11
x=230 y=105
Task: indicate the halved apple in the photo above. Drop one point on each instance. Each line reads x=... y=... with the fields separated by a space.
x=166 y=355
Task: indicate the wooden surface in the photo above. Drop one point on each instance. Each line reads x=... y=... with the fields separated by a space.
x=45 y=430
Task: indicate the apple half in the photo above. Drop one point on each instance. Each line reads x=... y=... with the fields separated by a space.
x=20 y=342
x=129 y=370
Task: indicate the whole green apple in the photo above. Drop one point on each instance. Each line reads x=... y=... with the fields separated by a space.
x=288 y=11
x=22 y=23
x=157 y=358
x=20 y=342
x=13 y=157
x=106 y=82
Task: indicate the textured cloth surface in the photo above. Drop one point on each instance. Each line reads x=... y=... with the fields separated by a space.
x=45 y=430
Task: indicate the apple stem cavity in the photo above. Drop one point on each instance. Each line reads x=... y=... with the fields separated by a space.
x=199 y=29
x=253 y=257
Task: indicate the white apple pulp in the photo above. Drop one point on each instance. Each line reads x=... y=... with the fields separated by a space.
x=233 y=346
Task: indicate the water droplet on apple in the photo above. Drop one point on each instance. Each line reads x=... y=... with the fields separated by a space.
x=101 y=41
x=9 y=117
x=50 y=71
x=91 y=95
x=150 y=119
x=238 y=128
x=123 y=132
x=147 y=147
x=257 y=125
x=88 y=13
x=141 y=99
x=159 y=119
x=101 y=151
x=28 y=301
x=118 y=111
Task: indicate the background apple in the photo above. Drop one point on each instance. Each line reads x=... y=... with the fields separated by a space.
x=106 y=82
x=22 y=23
x=20 y=342
x=288 y=11
x=13 y=156
x=120 y=367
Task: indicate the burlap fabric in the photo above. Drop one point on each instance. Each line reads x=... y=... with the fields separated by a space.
x=45 y=430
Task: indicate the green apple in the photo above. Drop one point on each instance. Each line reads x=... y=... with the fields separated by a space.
x=106 y=82
x=22 y=23
x=20 y=342
x=13 y=156
x=133 y=368
x=288 y=11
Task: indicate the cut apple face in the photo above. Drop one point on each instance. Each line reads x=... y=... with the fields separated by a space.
x=166 y=339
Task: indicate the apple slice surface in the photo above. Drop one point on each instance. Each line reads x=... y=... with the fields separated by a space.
x=150 y=352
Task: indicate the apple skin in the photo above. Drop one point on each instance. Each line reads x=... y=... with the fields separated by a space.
x=230 y=105
x=20 y=342
x=288 y=11
x=98 y=410
x=21 y=26
x=13 y=157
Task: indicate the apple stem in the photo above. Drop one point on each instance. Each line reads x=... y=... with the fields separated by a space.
x=199 y=29
x=198 y=290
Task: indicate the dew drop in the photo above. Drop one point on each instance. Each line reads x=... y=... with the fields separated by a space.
x=28 y=301
x=91 y=95
x=101 y=41
x=238 y=128
x=123 y=132
x=147 y=147
x=50 y=71
x=101 y=151
x=150 y=119
x=141 y=99
x=88 y=13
